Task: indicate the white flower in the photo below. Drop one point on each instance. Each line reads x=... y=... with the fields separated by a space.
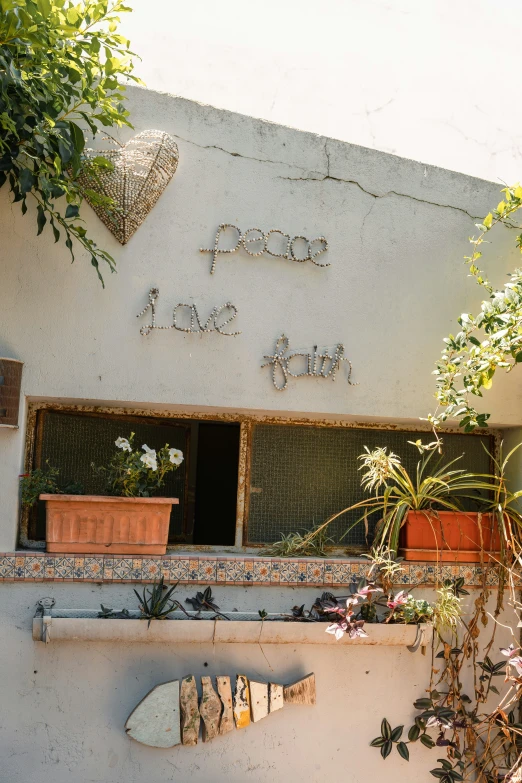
x=149 y=451
x=175 y=456
x=123 y=443
x=149 y=460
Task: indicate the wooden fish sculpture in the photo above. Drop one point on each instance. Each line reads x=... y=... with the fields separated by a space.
x=170 y=714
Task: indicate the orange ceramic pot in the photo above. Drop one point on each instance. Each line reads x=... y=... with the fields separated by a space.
x=449 y=536
x=94 y=524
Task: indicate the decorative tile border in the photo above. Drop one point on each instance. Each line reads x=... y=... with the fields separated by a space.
x=26 y=566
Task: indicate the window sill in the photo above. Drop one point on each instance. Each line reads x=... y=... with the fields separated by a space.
x=219 y=569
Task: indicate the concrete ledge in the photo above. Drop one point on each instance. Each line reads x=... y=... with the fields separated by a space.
x=82 y=629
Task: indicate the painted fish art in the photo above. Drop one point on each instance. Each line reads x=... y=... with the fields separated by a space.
x=171 y=714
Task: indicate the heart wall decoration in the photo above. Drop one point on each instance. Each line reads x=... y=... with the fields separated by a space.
x=142 y=169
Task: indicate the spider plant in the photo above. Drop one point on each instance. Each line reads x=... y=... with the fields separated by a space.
x=397 y=493
x=310 y=543
x=155 y=605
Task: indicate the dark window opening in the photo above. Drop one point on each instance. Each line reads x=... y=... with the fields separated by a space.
x=205 y=483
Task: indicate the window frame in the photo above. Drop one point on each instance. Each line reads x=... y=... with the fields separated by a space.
x=247 y=422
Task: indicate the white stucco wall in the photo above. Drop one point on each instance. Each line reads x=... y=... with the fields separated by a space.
x=397 y=232
x=65 y=704
x=394 y=76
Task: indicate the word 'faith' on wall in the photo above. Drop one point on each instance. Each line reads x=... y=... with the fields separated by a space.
x=274 y=242
x=318 y=365
x=188 y=314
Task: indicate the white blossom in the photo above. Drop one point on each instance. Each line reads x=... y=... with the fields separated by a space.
x=175 y=456
x=123 y=443
x=149 y=460
x=149 y=451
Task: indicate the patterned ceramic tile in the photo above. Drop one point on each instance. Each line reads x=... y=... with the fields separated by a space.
x=19 y=568
x=121 y=568
x=262 y=571
x=63 y=567
x=79 y=568
x=315 y=573
x=289 y=572
x=249 y=571
x=341 y=574
x=34 y=567
x=221 y=571
x=234 y=571
x=207 y=570
x=275 y=572
x=93 y=568
x=108 y=568
x=49 y=571
x=7 y=566
x=152 y=568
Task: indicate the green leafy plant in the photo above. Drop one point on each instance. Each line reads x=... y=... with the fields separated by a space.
x=139 y=473
x=38 y=482
x=61 y=71
x=156 y=602
x=45 y=481
x=487 y=341
x=309 y=543
x=396 y=492
x=111 y=614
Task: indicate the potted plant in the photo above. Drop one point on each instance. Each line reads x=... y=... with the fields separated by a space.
x=424 y=516
x=125 y=521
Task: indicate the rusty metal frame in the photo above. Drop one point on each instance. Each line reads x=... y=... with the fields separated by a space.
x=247 y=421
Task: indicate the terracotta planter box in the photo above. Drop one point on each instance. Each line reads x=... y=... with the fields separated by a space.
x=449 y=537
x=94 y=524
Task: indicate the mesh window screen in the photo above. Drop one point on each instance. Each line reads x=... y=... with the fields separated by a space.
x=72 y=442
x=302 y=475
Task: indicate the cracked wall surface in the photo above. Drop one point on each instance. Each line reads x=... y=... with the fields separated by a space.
x=397 y=231
x=394 y=76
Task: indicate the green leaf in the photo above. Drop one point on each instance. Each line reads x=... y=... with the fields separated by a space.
x=488 y=220
x=386 y=729
x=422 y=704
x=377 y=742
x=403 y=751
x=72 y=211
x=77 y=136
x=41 y=220
x=386 y=749
x=427 y=741
x=397 y=733
x=414 y=733
x=26 y=180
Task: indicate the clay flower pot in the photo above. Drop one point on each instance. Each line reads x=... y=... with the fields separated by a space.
x=448 y=536
x=94 y=524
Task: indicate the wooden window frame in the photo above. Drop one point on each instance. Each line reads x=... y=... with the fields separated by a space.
x=247 y=421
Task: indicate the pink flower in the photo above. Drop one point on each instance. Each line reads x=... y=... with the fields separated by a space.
x=356 y=631
x=399 y=600
x=509 y=651
x=337 y=629
x=513 y=659
x=364 y=592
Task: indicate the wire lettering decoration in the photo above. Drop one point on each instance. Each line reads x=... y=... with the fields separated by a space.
x=217 y=320
x=318 y=365
x=258 y=243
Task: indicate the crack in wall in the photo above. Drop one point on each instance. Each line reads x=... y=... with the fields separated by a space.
x=322 y=177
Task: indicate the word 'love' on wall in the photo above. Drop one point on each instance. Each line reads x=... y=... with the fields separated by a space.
x=257 y=245
x=216 y=321
x=318 y=365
